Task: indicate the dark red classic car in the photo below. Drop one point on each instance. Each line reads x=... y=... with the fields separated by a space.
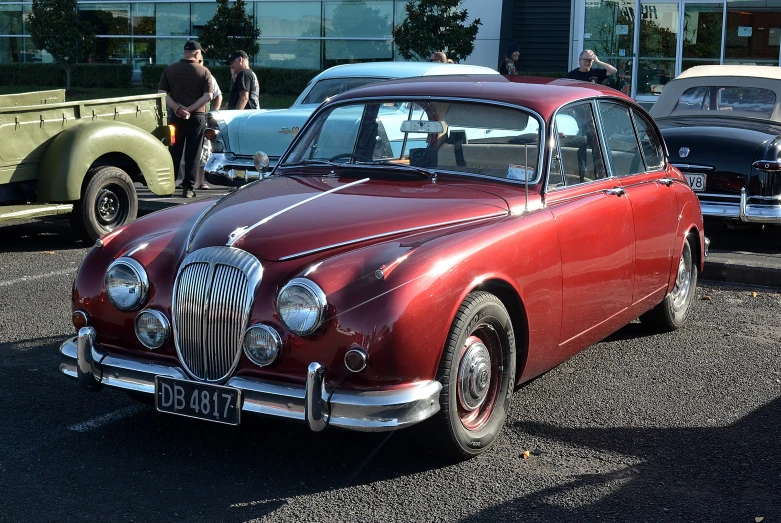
x=424 y=247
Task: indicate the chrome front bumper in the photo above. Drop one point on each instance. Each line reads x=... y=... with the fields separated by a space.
x=316 y=403
x=739 y=209
x=229 y=169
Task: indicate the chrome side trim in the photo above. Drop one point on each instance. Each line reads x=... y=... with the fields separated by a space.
x=243 y=231
x=366 y=411
x=393 y=233
x=692 y=167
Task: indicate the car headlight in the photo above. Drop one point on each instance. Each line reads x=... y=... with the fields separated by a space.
x=301 y=306
x=126 y=284
x=152 y=328
x=262 y=344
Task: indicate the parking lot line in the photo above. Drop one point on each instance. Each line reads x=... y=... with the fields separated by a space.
x=24 y=279
x=105 y=419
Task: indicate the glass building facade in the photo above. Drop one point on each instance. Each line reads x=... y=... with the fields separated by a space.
x=651 y=42
x=294 y=33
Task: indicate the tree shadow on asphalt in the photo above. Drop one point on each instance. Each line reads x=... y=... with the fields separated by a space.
x=37 y=235
x=675 y=474
x=152 y=466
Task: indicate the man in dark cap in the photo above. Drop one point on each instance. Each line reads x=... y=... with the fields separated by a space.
x=188 y=88
x=509 y=65
x=245 y=88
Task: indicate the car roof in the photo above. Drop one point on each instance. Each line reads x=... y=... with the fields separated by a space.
x=401 y=69
x=543 y=95
x=752 y=71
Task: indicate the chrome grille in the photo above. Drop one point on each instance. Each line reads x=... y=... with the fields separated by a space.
x=211 y=304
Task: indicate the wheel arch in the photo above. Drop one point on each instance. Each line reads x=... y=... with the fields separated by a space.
x=75 y=151
x=512 y=301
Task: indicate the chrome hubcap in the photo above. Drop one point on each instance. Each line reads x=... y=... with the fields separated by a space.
x=474 y=376
x=684 y=278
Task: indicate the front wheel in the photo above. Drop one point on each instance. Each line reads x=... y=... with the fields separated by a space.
x=109 y=201
x=477 y=372
x=671 y=314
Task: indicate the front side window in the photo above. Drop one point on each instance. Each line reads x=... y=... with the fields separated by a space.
x=623 y=151
x=756 y=100
x=578 y=157
x=466 y=137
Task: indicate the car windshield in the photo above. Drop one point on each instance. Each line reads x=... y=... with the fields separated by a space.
x=329 y=87
x=468 y=137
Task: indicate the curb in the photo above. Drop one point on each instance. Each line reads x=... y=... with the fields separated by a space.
x=746 y=268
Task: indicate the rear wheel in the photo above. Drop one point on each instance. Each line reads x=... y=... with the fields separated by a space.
x=477 y=372
x=109 y=201
x=671 y=314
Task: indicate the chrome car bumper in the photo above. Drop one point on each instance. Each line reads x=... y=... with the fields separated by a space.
x=738 y=208
x=229 y=169
x=316 y=403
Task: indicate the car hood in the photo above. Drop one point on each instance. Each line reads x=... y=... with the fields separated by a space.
x=264 y=130
x=288 y=216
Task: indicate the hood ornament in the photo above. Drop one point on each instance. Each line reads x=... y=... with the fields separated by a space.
x=683 y=152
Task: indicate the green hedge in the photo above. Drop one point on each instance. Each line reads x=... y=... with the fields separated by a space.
x=272 y=80
x=53 y=75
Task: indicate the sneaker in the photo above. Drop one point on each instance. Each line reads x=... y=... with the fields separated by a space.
x=188 y=193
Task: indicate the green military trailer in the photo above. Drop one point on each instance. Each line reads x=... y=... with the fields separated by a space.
x=82 y=158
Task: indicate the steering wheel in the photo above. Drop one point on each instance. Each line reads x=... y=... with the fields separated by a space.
x=350 y=156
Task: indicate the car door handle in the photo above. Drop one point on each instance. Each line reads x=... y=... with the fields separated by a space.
x=666 y=181
x=616 y=191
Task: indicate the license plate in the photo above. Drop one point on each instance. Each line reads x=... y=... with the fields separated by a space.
x=696 y=181
x=198 y=400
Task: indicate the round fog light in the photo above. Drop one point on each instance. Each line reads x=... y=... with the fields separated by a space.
x=80 y=319
x=355 y=360
x=262 y=344
x=152 y=328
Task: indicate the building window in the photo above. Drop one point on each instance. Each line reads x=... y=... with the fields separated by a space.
x=753 y=34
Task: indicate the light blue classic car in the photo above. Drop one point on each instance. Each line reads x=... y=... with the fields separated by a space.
x=237 y=135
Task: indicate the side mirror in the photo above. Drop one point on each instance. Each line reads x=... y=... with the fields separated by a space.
x=260 y=160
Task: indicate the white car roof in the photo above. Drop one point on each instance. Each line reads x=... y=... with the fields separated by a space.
x=752 y=71
x=402 y=69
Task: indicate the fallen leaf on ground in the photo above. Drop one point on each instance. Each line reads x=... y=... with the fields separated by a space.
x=707 y=298
x=759 y=519
x=525 y=454
x=754 y=294
x=48 y=252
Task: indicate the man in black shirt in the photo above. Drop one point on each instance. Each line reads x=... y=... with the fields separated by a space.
x=188 y=89
x=245 y=87
x=585 y=73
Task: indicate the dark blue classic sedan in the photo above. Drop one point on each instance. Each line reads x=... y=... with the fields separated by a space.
x=722 y=126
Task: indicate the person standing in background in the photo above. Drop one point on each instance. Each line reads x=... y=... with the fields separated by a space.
x=245 y=88
x=584 y=71
x=508 y=66
x=439 y=56
x=188 y=90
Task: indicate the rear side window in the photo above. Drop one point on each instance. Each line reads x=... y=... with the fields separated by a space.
x=714 y=98
x=622 y=149
x=650 y=144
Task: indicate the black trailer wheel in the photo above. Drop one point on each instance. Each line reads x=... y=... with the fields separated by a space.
x=109 y=201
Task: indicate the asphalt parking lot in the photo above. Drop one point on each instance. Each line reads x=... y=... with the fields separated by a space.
x=641 y=427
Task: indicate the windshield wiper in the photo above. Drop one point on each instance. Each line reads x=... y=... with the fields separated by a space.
x=403 y=167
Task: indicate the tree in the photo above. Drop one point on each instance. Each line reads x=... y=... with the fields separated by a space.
x=55 y=27
x=435 y=25
x=230 y=28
